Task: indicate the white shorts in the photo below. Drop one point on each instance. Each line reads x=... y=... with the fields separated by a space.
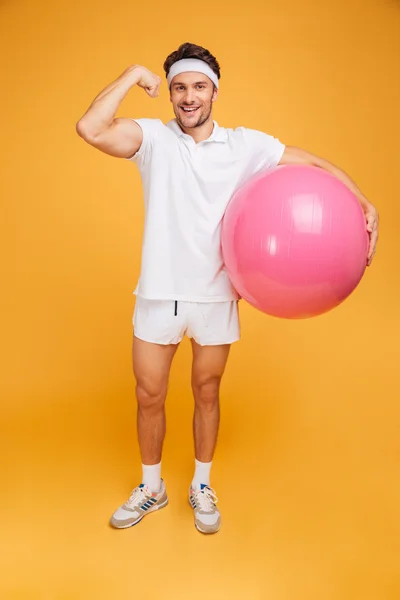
x=166 y=322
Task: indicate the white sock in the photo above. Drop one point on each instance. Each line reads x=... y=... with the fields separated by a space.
x=201 y=474
x=152 y=477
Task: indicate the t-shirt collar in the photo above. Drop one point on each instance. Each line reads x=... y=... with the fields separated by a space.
x=218 y=133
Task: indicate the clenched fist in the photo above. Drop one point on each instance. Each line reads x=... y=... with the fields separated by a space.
x=146 y=80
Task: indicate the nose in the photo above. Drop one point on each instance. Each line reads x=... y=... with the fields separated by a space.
x=189 y=96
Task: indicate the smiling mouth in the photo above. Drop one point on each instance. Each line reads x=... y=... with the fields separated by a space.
x=189 y=110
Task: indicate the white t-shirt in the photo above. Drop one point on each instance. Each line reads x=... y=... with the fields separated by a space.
x=187 y=187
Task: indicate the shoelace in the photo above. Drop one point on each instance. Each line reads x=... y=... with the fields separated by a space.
x=138 y=496
x=206 y=499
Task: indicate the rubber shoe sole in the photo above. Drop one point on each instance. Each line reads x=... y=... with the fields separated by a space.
x=152 y=509
x=200 y=530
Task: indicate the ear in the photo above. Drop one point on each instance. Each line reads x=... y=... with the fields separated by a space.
x=215 y=94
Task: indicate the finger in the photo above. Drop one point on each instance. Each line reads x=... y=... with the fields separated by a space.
x=372 y=244
x=371 y=248
x=374 y=237
x=152 y=92
x=371 y=259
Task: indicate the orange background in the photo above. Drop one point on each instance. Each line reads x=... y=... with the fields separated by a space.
x=307 y=467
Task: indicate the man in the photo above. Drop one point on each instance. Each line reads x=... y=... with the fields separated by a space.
x=190 y=168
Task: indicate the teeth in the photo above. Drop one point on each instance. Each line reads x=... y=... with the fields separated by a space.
x=189 y=109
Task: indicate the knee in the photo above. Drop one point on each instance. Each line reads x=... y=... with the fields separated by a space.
x=206 y=391
x=150 y=394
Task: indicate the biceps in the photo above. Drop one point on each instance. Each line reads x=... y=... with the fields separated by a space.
x=122 y=140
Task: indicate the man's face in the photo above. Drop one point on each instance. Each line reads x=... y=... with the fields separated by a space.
x=192 y=95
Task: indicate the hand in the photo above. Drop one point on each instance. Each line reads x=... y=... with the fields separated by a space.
x=148 y=81
x=372 y=218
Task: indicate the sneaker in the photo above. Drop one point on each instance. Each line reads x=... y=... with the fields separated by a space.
x=207 y=518
x=141 y=502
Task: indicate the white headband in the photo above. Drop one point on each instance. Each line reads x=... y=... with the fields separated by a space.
x=187 y=65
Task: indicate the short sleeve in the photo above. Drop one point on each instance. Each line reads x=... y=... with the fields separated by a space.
x=151 y=130
x=264 y=151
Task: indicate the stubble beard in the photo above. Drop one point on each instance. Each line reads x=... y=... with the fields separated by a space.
x=203 y=118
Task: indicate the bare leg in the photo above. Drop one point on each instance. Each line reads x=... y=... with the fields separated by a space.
x=208 y=367
x=151 y=366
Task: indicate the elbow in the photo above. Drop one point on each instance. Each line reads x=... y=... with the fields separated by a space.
x=82 y=130
x=86 y=131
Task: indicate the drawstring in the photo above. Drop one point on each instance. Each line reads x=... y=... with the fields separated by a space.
x=176 y=308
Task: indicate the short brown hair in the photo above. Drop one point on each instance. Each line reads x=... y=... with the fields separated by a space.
x=188 y=50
